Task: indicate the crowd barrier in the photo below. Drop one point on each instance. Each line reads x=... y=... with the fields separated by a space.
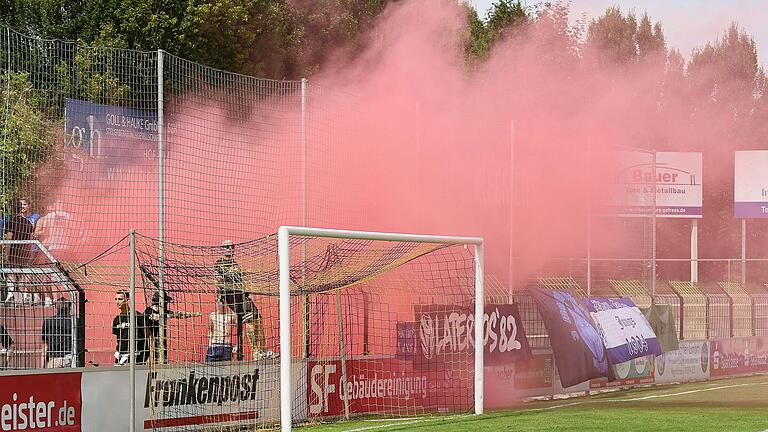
x=77 y=399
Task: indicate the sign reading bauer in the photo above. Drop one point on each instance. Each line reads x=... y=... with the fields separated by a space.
x=624 y=330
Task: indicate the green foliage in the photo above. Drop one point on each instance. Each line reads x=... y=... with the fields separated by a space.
x=505 y=18
x=92 y=76
x=726 y=73
x=27 y=136
x=615 y=39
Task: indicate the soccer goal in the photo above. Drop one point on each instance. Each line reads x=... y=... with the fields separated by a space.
x=309 y=325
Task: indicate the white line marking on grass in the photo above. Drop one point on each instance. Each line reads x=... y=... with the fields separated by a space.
x=402 y=423
x=641 y=398
x=686 y=392
x=392 y=420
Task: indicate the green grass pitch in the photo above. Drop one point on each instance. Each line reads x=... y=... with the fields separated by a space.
x=739 y=404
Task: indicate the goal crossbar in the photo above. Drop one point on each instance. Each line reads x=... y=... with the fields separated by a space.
x=284 y=233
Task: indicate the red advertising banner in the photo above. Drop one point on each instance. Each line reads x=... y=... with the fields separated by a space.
x=381 y=385
x=43 y=402
x=738 y=356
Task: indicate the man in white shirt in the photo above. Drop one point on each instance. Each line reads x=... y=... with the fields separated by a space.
x=220 y=324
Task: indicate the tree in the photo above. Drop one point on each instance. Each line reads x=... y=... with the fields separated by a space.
x=726 y=75
x=27 y=136
x=504 y=19
x=615 y=39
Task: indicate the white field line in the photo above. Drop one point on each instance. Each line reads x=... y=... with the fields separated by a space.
x=644 y=397
x=401 y=422
x=688 y=392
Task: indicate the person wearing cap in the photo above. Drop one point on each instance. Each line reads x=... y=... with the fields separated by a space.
x=152 y=314
x=231 y=282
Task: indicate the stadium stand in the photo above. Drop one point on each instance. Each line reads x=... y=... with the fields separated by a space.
x=633 y=289
x=694 y=309
x=740 y=308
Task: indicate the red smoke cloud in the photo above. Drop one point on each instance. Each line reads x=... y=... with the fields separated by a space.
x=407 y=137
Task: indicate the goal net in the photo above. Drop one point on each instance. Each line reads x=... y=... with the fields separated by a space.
x=377 y=325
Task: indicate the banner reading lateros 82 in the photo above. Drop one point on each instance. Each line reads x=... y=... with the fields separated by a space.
x=44 y=402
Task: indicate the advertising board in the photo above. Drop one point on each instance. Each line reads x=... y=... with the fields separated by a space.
x=678 y=184
x=751 y=184
x=690 y=362
x=42 y=402
x=738 y=356
x=378 y=384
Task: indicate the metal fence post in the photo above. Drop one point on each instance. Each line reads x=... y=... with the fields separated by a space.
x=161 y=204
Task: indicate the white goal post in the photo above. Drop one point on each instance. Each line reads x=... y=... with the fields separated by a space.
x=284 y=233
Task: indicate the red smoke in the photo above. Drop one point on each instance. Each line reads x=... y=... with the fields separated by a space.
x=407 y=137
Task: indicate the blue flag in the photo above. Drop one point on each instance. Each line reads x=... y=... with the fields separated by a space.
x=576 y=343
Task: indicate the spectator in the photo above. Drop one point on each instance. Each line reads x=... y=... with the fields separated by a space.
x=57 y=336
x=26 y=211
x=5 y=347
x=152 y=316
x=18 y=228
x=220 y=325
x=121 y=328
x=231 y=283
x=54 y=229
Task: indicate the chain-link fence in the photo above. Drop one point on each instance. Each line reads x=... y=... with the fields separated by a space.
x=98 y=141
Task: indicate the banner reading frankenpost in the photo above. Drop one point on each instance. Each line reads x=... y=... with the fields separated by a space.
x=750 y=184
x=678 y=177
x=624 y=330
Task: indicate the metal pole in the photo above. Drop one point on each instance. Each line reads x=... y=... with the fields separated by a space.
x=132 y=338
x=695 y=250
x=343 y=351
x=4 y=185
x=161 y=204
x=744 y=253
x=304 y=212
x=479 y=321
x=653 y=228
x=589 y=252
x=284 y=252
x=511 y=209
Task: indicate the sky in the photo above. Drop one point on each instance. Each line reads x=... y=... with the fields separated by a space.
x=687 y=23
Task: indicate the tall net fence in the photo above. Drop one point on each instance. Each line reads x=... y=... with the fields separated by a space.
x=100 y=140
x=356 y=308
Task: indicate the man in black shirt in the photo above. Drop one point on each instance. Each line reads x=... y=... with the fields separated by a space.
x=121 y=328
x=5 y=346
x=231 y=283
x=57 y=336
